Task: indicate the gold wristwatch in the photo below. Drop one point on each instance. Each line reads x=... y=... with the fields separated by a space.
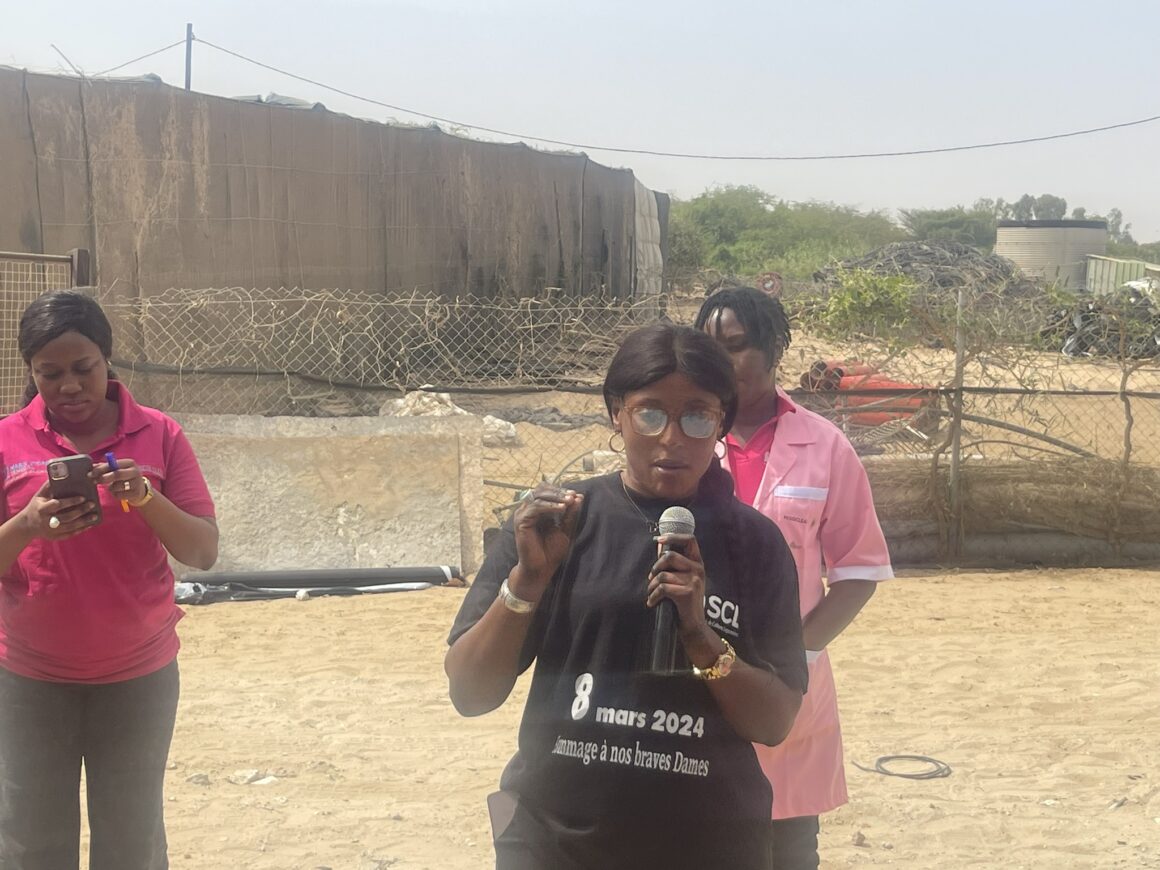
x=719 y=668
x=145 y=499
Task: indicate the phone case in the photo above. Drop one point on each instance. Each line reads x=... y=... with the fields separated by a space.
x=68 y=476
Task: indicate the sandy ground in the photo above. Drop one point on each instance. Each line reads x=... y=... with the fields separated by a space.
x=1040 y=689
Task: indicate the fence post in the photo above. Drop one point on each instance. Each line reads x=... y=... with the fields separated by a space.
x=81 y=267
x=954 y=538
x=188 y=55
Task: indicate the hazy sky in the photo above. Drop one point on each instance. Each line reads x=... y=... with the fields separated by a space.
x=803 y=77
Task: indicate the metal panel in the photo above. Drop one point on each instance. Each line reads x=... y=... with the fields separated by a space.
x=1053 y=253
x=1106 y=274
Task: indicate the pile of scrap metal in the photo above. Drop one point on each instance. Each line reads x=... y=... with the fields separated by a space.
x=1123 y=325
x=935 y=265
x=857 y=396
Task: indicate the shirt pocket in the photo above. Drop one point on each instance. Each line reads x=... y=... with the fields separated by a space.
x=798 y=513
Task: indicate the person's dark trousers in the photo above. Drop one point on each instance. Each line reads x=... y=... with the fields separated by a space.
x=121 y=733
x=794 y=843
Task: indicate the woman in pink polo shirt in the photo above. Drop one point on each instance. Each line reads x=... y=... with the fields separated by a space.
x=88 y=645
x=799 y=470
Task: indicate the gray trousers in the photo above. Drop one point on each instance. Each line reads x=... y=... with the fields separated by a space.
x=121 y=733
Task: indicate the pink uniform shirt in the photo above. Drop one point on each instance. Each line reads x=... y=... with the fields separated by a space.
x=815 y=488
x=98 y=607
x=747 y=461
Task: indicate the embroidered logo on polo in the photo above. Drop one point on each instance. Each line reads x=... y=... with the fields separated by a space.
x=25 y=468
x=804 y=493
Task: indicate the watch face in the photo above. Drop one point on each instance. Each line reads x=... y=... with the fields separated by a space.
x=725 y=660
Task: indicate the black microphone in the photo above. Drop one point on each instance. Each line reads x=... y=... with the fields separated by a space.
x=674 y=521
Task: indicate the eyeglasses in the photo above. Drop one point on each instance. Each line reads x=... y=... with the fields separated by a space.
x=650 y=421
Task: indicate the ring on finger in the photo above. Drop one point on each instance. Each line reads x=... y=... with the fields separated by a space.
x=54 y=522
x=127 y=485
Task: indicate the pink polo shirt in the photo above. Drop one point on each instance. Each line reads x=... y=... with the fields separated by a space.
x=98 y=607
x=747 y=461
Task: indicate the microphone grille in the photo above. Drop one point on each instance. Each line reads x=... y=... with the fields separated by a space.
x=676 y=521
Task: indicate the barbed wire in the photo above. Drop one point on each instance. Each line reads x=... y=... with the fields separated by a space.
x=359 y=339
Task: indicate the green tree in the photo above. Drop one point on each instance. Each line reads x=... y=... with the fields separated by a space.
x=975 y=226
x=1024 y=208
x=724 y=214
x=688 y=247
x=1118 y=231
x=1050 y=208
x=1003 y=210
x=1135 y=251
x=744 y=231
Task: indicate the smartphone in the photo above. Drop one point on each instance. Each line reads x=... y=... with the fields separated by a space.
x=69 y=476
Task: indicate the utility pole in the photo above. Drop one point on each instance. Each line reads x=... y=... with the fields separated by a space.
x=188 y=54
x=955 y=539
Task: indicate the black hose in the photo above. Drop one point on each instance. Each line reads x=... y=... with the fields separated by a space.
x=318 y=578
x=937 y=769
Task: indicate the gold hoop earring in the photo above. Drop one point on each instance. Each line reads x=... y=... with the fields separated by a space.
x=613 y=435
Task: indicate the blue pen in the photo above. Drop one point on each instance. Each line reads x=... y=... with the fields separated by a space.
x=112 y=460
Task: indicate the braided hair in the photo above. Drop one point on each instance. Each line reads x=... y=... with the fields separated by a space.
x=761 y=316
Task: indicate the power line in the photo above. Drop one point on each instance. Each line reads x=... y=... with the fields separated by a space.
x=142 y=57
x=66 y=60
x=685 y=155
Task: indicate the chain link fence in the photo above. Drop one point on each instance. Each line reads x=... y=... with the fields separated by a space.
x=532 y=365
x=972 y=423
x=23 y=277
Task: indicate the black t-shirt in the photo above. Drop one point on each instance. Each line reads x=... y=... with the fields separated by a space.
x=609 y=753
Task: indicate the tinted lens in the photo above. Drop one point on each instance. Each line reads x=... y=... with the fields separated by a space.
x=699 y=424
x=649 y=421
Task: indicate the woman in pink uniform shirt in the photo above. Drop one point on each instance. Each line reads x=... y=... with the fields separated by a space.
x=798 y=469
x=88 y=671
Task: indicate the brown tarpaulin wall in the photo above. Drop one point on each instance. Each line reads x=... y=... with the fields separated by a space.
x=176 y=189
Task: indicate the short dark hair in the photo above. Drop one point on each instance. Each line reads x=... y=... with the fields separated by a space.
x=56 y=312
x=653 y=352
x=761 y=316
